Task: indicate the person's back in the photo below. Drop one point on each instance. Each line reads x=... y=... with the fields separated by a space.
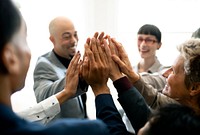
x=12 y=124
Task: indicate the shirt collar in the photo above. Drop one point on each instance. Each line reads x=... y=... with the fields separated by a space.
x=64 y=61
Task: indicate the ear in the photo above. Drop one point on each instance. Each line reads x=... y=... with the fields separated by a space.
x=10 y=59
x=159 y=45
x=52 y=39
x=195 y=89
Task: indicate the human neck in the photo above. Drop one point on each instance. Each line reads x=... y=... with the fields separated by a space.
x=193 y=103
x=5 y=93
x=146 y=63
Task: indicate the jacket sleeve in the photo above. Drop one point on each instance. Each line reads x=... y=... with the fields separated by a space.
x=133 y=103
x=152 y=96
x=108 y=113
x=156 y=80
x=50 y=79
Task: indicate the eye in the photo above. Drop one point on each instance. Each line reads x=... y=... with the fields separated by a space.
x=140 y=39
x=150 y=41
x=76 y=35
x=67 y=37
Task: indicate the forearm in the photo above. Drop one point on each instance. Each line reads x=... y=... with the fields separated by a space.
x=133 y=76
x=108 y=113
x=132 y=102
x=102 y=89
x=147 y=91
x=63 y=96
x=45 y=88
x=42 y=112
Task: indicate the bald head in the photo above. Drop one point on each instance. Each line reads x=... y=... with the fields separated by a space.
x=58 y=23
x=64 y=37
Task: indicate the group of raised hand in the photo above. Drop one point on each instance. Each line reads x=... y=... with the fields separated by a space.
x=103 y=58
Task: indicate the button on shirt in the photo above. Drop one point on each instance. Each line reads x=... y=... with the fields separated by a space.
x=42 y=112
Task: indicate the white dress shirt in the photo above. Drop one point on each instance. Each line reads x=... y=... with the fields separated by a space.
x=42 y=112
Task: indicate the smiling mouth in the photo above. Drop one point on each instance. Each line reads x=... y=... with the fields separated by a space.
x=144 y=51
x=72 y=48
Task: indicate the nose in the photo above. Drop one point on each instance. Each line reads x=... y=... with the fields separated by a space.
x=143 y=42
x=74 y=40
x=167 y=73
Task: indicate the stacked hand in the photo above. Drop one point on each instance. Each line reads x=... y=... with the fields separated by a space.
x=123 y=62
x=104 y=58
x=95 y=68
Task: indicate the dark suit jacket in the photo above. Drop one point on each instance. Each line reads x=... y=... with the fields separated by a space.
x=11 y=124
x=134 y=106
x=107 y=111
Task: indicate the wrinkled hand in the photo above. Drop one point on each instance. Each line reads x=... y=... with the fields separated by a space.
x=123 y=62
x=101 y=37
x=110 y=50
x=95 y=69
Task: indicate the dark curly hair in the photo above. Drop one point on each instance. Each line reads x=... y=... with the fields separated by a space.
x=174 y=119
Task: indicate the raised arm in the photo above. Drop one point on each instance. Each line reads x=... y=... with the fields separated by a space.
x=47 y=109
x=95 y=71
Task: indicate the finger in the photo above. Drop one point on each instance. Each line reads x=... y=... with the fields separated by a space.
x=88 y=41
x=78 y=67
x=119 y=47
x=99 y=46
x=102 y=54
x=122 y=54
x=96 y=35
x=123 y=67
x=101 y=36
x=89 y=54
x=107 y=51
x=107 y=48
x=117 y=60
x=95 y=49
x=81 y=69
x=74 y=61
x=85 y=68
x=111 y=45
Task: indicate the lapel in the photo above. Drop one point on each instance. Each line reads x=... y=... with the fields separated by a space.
x=55 y=61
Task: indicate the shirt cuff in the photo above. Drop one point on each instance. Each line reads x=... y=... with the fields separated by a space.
x=42 y=112
x=122 y=84
x=51 y=106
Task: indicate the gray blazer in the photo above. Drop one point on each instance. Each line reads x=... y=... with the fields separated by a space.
x=49 y=79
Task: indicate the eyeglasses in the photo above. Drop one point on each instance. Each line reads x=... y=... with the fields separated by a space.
x=147 y=41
